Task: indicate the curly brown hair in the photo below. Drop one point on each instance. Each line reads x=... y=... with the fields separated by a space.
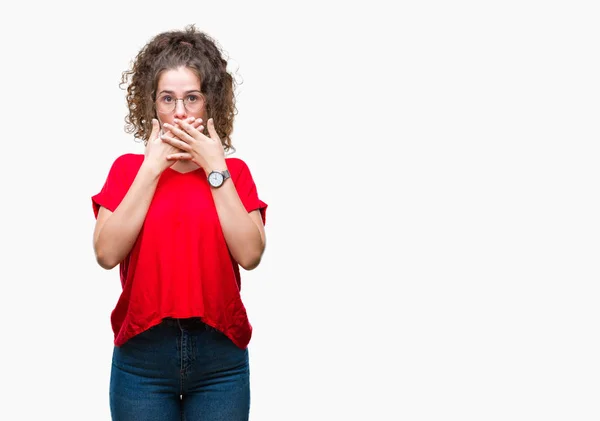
x=170 y=50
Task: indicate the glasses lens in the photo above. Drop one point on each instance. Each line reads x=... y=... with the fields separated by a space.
x=193 y=102
x=165 y=104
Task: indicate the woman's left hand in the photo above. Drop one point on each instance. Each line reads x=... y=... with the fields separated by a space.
x=205 y=151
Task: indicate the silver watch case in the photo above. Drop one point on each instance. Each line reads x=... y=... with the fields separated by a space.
x=217 y=178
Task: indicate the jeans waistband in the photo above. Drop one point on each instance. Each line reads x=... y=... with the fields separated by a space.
x=192 y=323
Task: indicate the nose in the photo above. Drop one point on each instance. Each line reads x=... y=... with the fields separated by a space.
x=180 y=111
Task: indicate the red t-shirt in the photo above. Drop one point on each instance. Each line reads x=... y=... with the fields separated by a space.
x=180 y=265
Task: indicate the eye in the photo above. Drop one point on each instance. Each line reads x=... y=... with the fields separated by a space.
x=193 y=98
x=167 y=99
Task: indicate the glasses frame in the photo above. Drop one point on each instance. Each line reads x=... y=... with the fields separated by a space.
x=200 y=94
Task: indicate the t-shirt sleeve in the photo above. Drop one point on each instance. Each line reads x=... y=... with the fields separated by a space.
x=112 y=192
x=246 y=189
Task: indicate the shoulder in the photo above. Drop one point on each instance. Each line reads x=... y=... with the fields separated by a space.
x=125 y=166
x=235 y=163
x=237 y=166
x=129 y=160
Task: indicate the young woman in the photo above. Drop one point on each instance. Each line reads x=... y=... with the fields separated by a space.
x=179 y=220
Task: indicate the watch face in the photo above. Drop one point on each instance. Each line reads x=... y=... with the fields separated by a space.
x=215 y=179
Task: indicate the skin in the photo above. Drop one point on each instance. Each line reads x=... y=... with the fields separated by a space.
x=185 y=148
x=179 y=83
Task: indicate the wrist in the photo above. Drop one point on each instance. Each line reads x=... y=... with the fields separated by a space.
x=215 y=166
x=151 y=169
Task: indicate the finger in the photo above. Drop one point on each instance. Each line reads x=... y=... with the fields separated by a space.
x=188 y=125
x=194 y=122
x=189 y=120
x=177 y=130
x=177 y=143
x=197 y=123
x=155 y=130
x=182 y=156
x=212 y=131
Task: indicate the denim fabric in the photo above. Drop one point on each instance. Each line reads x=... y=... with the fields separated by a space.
x=180 y=370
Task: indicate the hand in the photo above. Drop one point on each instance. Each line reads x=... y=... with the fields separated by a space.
x=157 y=151
x=206 y=152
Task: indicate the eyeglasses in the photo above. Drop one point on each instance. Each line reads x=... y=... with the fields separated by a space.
x=193 y=102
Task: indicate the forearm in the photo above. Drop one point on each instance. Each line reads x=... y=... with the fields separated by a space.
x=121 y=229
x=243 y=237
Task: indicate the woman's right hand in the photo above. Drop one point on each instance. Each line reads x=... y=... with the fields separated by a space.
x=157 y=150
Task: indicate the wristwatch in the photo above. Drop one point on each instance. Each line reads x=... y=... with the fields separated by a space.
x=217 y=178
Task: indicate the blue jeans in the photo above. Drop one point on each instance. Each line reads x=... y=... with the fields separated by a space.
x=180 y=369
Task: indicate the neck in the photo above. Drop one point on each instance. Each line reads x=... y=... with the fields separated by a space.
x=185 y=166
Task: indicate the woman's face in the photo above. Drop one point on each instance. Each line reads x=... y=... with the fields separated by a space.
x=178 y=95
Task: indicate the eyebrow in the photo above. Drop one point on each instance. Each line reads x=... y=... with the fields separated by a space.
x=173 y=92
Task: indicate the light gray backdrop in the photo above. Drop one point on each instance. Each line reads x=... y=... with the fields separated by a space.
x=431 y=170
